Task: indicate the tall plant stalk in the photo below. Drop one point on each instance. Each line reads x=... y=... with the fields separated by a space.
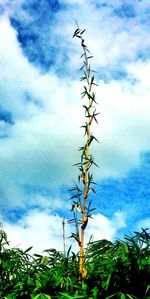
x=64 y=240
x=81 y=205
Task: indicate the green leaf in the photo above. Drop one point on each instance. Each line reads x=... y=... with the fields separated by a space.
x=28 y=249
x=95 y=292
x=123 y=296
x=147 y=289
x=5 y=237
x=83 y=31
x=83 y=44
x=83 y=78
x=105 y=284
x=42 y=296
x=44 y=260
x=38 y=255
x=68 y=252
x=111 y=296
x=65 y=296
x=38 y=284
x=76 y=32
x=84 y=224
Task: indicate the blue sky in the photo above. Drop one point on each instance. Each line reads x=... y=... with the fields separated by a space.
x=41 y=114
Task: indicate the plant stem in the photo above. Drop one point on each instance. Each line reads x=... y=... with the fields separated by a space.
x=64 y=241
x=85 y=181
x=86 y=158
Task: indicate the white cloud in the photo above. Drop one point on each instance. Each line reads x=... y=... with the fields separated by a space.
x=140 y=71
x=124 y=123
x=111 y=39
x=17 y=73
x=50 y=204
x=103 y=228
x=37 y=229
x=42 y=145
x=39 y=147
x=9 y=7
x=43 y=230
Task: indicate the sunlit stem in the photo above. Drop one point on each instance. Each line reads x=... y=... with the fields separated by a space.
x=86 y=158
x=82 y=270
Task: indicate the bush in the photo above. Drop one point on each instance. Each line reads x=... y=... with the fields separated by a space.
x=117 y=269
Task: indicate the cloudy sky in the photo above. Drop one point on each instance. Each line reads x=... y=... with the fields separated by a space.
x=41 y=114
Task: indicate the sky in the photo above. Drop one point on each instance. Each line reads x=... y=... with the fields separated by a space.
x=41 y=114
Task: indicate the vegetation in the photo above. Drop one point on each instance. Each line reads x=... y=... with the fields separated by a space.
x=117 y=269
x=81 y=206
x=103 y=269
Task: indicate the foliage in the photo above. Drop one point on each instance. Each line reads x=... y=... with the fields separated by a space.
x=121 y=267
x=117 y=269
